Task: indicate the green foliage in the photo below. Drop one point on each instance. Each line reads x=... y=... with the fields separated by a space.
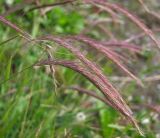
x=62 y=21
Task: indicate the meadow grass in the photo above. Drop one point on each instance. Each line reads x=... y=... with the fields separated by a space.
x=32 y=104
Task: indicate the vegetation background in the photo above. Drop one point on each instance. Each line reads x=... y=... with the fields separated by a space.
x=34 y=103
